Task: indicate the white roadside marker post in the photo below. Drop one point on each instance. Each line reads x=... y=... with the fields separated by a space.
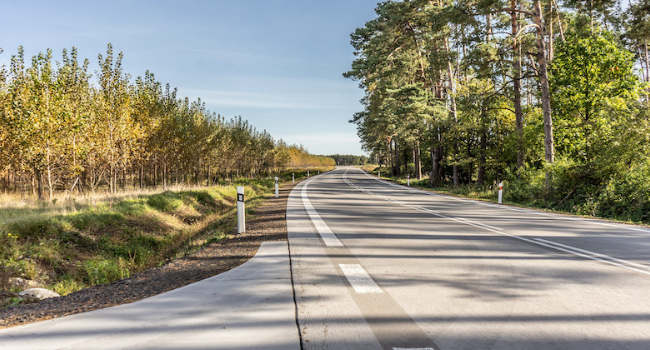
x=379 y=175
x=241 y=220
x=408 y=180
x=500 y=192
x=307 y=173
x=293 y=179
x=319 y=172
x=276 y=187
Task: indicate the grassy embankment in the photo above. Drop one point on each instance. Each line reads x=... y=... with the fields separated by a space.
x=512 y=195
x=69 y=245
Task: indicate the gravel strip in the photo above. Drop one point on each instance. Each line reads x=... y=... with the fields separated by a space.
x=269 y=224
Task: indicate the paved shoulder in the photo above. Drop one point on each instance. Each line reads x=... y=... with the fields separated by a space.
x=249 y=307
x=328 y=315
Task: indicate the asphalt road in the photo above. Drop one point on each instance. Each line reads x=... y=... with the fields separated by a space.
x=381 y=266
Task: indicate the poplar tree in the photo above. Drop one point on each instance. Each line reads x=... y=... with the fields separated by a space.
x=60 y=132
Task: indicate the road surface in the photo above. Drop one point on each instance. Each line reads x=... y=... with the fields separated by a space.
x=376 y=265
x=381 y=266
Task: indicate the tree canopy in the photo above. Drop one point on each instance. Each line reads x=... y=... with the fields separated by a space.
x=478 y=92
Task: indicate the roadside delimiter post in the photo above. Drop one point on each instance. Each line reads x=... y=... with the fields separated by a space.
x=276 y=187
x=293 y=179
x=500 y=192
x=307 y=173
x=408 y=180
x=241 y=220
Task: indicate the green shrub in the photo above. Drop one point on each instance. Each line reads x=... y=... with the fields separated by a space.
x=67 y=285
x=627 y=196
x=102 y=271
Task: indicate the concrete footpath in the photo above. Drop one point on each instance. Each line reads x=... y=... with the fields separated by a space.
x=249 y=307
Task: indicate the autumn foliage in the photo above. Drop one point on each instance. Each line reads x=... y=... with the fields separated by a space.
x=63 y=129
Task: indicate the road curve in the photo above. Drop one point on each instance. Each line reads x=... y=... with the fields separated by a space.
x=381 y=266
x=248 y=307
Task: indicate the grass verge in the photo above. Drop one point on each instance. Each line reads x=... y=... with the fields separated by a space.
x=98 y=244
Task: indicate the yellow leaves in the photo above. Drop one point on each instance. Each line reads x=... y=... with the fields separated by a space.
x=115 y=126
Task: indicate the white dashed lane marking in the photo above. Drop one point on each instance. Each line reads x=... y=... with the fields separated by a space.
x=359 y=279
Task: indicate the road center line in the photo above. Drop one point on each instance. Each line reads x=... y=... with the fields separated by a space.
x=605 y=258
x=359 y=279
x=536 y=241
x=324 y=231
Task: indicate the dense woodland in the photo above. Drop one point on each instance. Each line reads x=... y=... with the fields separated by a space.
x=62 y=129
x=550 y=96
x=349 y=159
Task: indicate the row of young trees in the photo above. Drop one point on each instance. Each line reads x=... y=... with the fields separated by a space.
x=476 y=91
x=300 y=157
x=61 y=129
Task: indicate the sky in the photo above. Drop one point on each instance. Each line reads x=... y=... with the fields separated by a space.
x=276 y=63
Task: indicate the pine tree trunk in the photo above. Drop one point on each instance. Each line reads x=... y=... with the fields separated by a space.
x=389 y=158
x=550 y=38
x=436 y=157
x=480 y=180
x=519 y=115
x=543 y=80
x=397 y=160
x=418 y=162
x=454 y=114
x=435 y=179
x=405 y=163
x=647 y=64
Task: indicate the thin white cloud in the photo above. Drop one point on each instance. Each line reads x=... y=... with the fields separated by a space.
x=257 y=100
x=322 y=138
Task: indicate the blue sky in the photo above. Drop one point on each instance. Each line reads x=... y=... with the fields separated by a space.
x=277 y=63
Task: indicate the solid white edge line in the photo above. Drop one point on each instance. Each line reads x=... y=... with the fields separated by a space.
x=326 y=234
x=359 y=279
x=523 y=210
x=536 y=241
x=413 y=349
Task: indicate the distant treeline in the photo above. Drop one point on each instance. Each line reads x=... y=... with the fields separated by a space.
x=348 y=159
x=62 y=129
